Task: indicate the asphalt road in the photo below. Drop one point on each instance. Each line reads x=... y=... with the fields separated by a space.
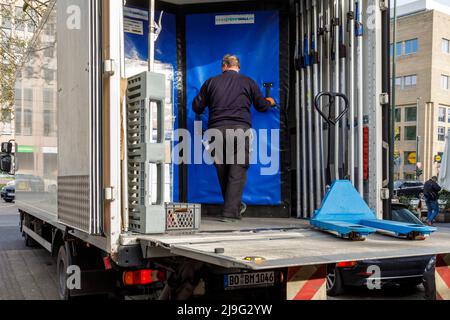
x=25 y=274
x=30 y=273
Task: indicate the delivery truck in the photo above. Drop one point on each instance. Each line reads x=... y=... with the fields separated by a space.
x=103 y=107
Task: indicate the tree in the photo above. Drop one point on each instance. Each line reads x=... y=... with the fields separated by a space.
x=14 y=43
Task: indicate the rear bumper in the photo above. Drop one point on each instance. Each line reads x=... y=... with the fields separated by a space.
x=356 y=280
x=391 y=271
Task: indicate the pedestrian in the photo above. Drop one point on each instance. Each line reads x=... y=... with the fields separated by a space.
x=229 y=98
x=431 y=193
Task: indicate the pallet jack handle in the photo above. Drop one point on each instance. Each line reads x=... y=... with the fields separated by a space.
x=332 y=97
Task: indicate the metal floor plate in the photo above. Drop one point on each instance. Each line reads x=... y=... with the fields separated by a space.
x=286 y=248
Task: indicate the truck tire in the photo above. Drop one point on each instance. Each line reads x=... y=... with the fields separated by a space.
x=335 y=284
x=62 y=264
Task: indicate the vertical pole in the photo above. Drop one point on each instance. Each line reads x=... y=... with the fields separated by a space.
x=151 y=33
x=322 y=45
x=394 y=76
x=343 y=88
x=309 y=110
x=299 y=137
x=351 y=96
x=315 y=61
x=336 y=24
x=360 y=89
x=303 y=113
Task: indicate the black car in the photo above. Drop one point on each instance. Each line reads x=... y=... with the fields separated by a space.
x=408 y=188
x=401 y=271
x=8 y=193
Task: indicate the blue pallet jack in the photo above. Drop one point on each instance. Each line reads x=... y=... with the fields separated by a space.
x=345 y=213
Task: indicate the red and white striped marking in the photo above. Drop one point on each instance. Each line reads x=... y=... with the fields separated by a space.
x=307 y=283
x=442 y=276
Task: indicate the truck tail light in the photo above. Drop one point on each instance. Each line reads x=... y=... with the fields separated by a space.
x=143 y=277
x=347 y=264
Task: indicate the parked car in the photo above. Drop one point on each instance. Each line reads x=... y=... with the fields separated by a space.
x=408 y=188
x=28 y=182
x=8 y=192
x=408 y=272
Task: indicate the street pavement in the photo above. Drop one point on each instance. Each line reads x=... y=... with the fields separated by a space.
x=30 y=273
x=25 y=273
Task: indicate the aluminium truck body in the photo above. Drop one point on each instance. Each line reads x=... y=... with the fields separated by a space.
x=72 y=155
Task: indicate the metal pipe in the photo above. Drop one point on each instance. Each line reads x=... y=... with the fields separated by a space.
x=351 y=95
x=315 y=62
x=343 y=88
x=310 y=113
x=303 y=114
x=299 y=155
x=336 y=24
x=151 y=36
x=360 y=89
x=322 y=45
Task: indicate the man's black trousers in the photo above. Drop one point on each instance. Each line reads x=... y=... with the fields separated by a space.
x=232 y=165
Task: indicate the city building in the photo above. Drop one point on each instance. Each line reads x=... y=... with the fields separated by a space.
x=34 y=121
x=422 y=115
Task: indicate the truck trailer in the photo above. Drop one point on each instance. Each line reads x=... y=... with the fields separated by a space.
x=104 y=96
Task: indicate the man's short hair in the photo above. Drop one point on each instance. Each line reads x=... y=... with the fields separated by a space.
x=434 y=178
x=231 y=61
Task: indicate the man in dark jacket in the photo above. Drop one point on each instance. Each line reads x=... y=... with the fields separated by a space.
x=229 y=97
x=431 y=192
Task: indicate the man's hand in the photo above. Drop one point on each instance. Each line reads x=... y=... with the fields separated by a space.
x=272 y=101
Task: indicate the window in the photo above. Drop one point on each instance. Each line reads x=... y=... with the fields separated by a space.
x=49 y=75
x=441 y=133
x=411 y=114
x=27 y=113
x=398 y=115
x=410 y=81
x=411 y=46
x=441 y=114
x=19 y=19
x=410 y=133
x=6 y=22
x=398 y=134
x=49 y=120
x=446 y=46
x=448 y=116
x=398 y=81
x=29 y=72
x=445 y=82
x=49 y=52
x=27 y=122
x=49 y=113
x=399 y=49
x=18 y=112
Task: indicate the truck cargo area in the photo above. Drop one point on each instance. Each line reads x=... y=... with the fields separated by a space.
x=279 y=243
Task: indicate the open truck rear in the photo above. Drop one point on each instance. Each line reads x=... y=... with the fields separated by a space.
x=99 y=190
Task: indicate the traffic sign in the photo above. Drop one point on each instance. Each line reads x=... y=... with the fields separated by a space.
x=412 y=158
x=438 y=158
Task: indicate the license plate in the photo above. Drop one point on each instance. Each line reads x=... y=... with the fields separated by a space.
x=10 y=194
x=249 y=280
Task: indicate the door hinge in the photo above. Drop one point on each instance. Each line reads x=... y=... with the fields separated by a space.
x=110 y=194
x=384 y=99
x=109 y=67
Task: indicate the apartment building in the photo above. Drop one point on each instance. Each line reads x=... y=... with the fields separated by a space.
x=422 y=115
x=35 y=94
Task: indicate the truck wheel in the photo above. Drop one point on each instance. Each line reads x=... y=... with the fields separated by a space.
x=335 y=285
x=61 y=270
